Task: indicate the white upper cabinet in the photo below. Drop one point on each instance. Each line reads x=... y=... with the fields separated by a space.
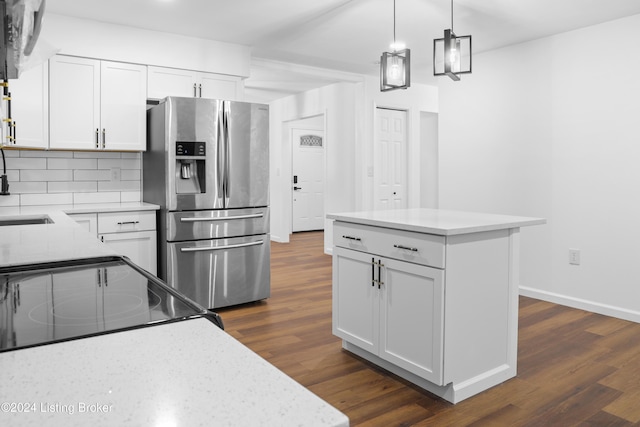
x=97 y=105
x=218 y=86
x=123 y=107
x=165 y=82
x=30 y=108
x=75 y=102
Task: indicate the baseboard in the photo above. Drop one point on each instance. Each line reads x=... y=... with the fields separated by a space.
x=454 y=393
x=582 y=304
x=279 y=239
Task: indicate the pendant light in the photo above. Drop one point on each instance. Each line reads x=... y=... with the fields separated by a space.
x=395 y=70
x=452 y=54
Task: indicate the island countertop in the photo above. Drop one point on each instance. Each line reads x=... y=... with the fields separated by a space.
x=436 y=221
x=180 y=374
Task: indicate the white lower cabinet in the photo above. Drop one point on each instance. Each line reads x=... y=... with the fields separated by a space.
x=139 y=247
x=411 y=318
x=89 y=221
x=132 y=234
x=391 y=308
x=439 y=311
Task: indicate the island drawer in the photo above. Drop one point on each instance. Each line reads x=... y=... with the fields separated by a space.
x=419 y=248
x=117 y=222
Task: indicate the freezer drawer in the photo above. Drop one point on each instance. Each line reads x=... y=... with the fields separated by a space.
x=214 y=224
x=221 y=272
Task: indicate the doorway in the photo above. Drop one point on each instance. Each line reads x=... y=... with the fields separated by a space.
x=307 y=166
x=390 y=159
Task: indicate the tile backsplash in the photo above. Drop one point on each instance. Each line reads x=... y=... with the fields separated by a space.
x=72 y=177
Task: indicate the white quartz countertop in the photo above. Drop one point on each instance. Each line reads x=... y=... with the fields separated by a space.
x=79 y=208
x=187 y=373
x=436 y=221
x=61 y=240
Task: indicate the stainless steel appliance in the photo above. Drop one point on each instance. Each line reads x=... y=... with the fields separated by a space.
x=207 y=166
x=54 y=302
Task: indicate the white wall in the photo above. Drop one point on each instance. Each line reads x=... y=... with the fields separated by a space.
x=94 y=39
x=417 y=99
x=549 y=129
x=337 y=103
x=348 y=110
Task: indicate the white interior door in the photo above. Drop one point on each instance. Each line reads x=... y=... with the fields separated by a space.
x=308 y=179
x=390 y=159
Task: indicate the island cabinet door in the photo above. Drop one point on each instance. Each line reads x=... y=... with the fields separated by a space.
x=355 y=299
x=411 y=318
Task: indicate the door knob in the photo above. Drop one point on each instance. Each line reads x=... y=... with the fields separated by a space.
x=297 y=188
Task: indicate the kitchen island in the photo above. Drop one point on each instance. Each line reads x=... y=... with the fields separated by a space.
x=430 y=295
x=180 y=373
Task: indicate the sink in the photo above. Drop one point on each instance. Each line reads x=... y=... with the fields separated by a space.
x=26 y=220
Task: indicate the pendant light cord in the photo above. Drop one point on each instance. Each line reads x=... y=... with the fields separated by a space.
x=451 y=16
x=394 y=25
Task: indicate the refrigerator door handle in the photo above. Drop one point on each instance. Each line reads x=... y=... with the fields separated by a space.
x=222 y=218
x=225 y=108
x=217 y=248
x=220 y=171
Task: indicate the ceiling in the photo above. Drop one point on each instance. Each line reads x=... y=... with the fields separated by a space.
x=345 y=35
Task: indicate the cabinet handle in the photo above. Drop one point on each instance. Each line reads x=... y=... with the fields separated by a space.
x=104 y=138
x=99 y=278
x=406 y=248
x=200 y=87
x=357 y=239
x=102 y=239
x=97 y=138
x=194 y=90
x=128 y=222
x=375 y=263
x=15 y=135
x=373 y=271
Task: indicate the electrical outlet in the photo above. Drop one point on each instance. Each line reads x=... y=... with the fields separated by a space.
x=115 y=174
x=574 y=256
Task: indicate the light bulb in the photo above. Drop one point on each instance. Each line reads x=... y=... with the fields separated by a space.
x=395 y=71
x=454 y=60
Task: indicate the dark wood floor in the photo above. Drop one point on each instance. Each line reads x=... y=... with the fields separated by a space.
x=575 y=368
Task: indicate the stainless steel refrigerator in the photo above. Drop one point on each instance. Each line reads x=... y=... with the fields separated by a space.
x=207 y=166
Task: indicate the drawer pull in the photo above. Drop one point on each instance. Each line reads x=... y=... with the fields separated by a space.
x=357 y=239
x=128 y=222
x=406 y=248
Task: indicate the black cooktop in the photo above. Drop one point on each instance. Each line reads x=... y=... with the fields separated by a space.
x=53 y=302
